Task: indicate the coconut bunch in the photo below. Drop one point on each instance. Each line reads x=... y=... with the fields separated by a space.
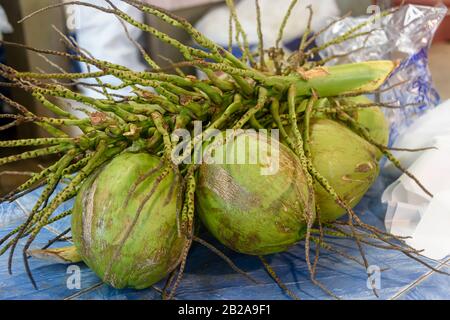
x=138 y=198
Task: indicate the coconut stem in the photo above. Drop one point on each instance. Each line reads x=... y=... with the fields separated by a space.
x=277 y=279
x=35 y=154
x=262 y=99
x=46 y=126
x=306 y=166
x=284 y=23
x=35 y=142
x=33 y=217
x=306 y=34
x=247 y=55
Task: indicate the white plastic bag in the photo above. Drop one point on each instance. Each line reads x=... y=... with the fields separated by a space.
x=421 y=134
x=411 y=212
x=405 y=34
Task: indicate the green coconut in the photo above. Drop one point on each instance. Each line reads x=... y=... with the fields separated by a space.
x=247 y=206
x=373 y=119
x=346 y=160
x=125 y=246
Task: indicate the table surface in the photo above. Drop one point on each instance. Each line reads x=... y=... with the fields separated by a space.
x=209 y=277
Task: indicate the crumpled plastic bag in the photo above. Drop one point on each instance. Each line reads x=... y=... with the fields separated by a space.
x=411 y=212
x=5 y=26
x=405 y=35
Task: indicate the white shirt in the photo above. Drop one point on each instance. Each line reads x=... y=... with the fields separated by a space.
x=5 y=27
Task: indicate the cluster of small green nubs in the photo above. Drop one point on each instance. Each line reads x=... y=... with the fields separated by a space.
x=136 y=200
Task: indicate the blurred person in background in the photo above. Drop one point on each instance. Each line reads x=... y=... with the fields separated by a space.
x=215 y=23
x=5 y=27
x=102 y=35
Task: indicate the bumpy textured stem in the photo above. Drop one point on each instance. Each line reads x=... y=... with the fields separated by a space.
x=350 y=33
x=284 y=22
x=43 y=199
x=46 y=126
x=35 y=154
x=262 y=99
x=35 y=142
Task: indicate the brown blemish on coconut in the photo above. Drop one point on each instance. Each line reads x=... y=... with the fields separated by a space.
x=253 y=238
x=313 y=73
x=283 y=228
x=364 y=167
x=347 y=178
x=352 y=199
